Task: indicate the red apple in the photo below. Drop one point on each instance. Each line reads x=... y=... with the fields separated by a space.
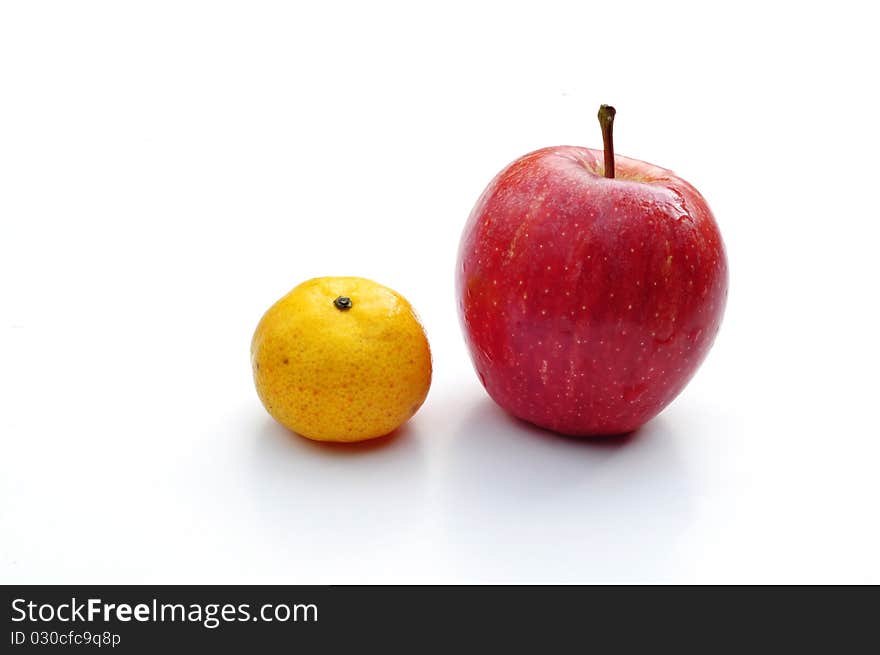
x=590 y=287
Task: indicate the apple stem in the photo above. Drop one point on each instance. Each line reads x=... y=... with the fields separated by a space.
x=606 y=122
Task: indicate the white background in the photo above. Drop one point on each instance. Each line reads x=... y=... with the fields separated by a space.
x=169 y=169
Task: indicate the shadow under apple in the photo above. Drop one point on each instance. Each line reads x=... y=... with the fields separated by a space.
x=527 y=505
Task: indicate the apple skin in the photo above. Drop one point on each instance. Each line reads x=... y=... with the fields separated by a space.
x=588 y=303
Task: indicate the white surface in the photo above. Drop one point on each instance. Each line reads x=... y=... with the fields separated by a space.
x=168 y=170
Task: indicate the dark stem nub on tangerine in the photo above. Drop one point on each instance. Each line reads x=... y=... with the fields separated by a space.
x=342 y=303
